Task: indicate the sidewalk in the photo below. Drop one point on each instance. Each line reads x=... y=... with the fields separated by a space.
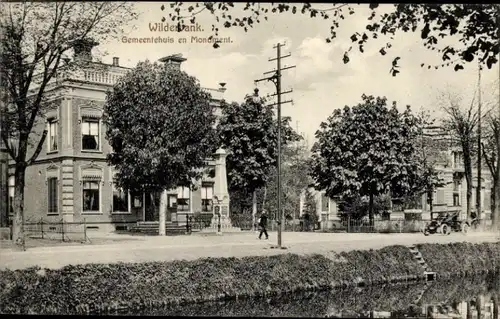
x=156 y=248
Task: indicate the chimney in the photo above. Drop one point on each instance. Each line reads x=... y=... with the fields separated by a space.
x=222 y=87
x=116 y=61
x=83 y=49
x=173 y=61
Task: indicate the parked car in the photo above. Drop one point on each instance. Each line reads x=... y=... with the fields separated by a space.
x=445 y=223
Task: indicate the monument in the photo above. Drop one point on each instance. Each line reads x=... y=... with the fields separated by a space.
x=221 y=194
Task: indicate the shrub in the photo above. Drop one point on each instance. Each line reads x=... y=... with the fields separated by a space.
x=100 y=288
x=461 y=258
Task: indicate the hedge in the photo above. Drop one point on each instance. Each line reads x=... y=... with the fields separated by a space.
x=100 y=288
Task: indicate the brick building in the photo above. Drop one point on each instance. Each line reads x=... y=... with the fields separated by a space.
x=71 y=179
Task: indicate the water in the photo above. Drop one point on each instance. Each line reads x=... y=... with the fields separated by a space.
x=469 y=298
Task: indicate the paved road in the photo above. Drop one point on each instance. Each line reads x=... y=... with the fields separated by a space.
x=209 y=245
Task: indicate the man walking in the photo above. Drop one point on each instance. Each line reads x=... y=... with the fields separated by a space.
x=262 y=225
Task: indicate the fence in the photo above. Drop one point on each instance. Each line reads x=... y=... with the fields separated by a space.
x=68 y=231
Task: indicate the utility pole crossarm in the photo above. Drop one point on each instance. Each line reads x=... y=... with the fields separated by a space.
x=285 y=92
x=284 y=56
x=283 y=102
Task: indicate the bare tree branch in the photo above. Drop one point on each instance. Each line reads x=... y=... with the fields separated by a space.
x=38 y=148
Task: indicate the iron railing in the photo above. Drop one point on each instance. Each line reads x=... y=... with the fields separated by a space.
x=67 y=231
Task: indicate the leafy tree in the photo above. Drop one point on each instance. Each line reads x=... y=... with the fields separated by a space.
x=36 y=40
x=357 y=207
x=429 y=151
x=295 y=178
x=491 y=152
x=310 y=209
x=249 y=134
x=367 y=150
x=472 y=28
x=146 y=116
x=461 y=123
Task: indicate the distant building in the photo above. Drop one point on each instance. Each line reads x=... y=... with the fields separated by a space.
x=71 y=179
x=451 y=197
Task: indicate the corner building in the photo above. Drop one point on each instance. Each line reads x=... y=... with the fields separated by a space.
x=71 y=179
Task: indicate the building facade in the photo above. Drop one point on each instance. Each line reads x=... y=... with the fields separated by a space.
x=71 y=179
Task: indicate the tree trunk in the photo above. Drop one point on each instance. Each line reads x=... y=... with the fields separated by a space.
x=254 y=208
x=431 y=202
x=18 y=224
x=468 y=178
x=264 y=198
x=495 y=306
x=162 y=231
x=479 y=306
x=469 y=310
x=370 y=214
x=495 y=201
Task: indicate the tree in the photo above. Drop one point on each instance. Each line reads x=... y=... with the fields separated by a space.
x=429 y=151
x=367 y=150
x=146 y=116
x=491 y=153
x=310 y=212
x=295 y=178
x=472 y=28
x=249 y=134
x=36 y=39
x=357 y=208
x=461 y=124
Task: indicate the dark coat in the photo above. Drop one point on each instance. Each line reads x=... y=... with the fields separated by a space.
x=263 y=221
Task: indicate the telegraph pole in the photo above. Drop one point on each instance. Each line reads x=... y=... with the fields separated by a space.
x=276 y=79
x=478 y=189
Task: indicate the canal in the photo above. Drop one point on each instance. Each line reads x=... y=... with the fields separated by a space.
x=468 y=298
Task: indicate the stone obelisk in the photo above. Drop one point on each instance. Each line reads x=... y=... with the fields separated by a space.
x=221 y=193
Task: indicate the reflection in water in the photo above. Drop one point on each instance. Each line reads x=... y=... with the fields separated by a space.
x=467 y=298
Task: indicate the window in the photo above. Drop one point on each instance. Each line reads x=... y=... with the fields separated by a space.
x=457 y=159
x=52 y=198
x=52 y=136
x=120 y=200
x=12 y=183
x=183 y=199
x=172 y=201
x=91 y=196
x=456 y=199
x=207 y=191
x=137 y=200
x=440 y=196
x=90 y=134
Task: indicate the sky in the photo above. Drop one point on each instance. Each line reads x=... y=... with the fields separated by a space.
x=321 y=82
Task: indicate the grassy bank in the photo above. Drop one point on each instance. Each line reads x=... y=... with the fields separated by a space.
x=101 y=288
x=459 y=259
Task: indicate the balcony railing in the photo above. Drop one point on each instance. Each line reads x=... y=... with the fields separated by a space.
x=100 y=74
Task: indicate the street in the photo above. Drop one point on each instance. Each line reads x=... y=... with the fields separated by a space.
x=169 y=248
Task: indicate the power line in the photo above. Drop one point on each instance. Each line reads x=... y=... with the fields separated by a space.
x=276 y=79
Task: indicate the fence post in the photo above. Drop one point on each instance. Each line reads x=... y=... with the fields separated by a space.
x=41 y=225
x=348 y=223
x=62 y=228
